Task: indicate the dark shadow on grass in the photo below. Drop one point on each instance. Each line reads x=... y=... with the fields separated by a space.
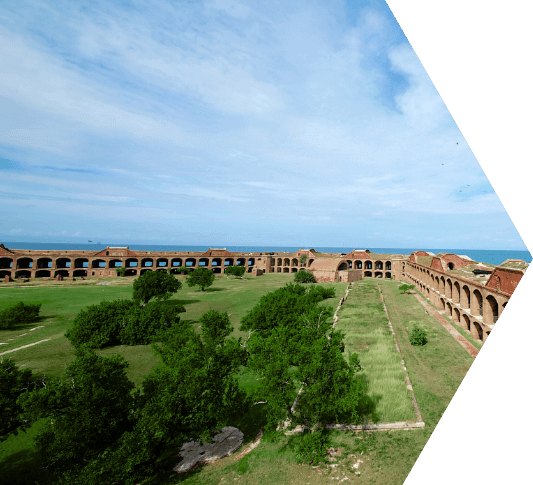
x=22 y=468
x=172 y=303
x=211 y=290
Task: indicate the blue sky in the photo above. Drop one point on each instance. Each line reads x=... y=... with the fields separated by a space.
x=231 y=123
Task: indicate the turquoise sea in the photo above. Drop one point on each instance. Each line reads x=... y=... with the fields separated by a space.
x=480 y=255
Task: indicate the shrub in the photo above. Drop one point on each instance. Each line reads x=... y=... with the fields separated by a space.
x=237 y=271
x=100 y=324
x=418 y=336
x=304 y=277
x=121 y=271
x=20 y=313
x=405 y=288
x=312 y=446
x=140 y=325
x=154 y=284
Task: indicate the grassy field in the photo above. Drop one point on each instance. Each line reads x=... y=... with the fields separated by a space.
x=363 y=320
x=436 y=371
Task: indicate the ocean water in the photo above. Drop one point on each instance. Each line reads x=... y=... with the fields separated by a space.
x=481 y=255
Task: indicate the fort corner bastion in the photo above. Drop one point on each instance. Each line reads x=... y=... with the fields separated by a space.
x=471 y=293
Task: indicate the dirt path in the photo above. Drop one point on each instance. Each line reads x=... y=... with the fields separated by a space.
x=453 y=332
x=24 y=346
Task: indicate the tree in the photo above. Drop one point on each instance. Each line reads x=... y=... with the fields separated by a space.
x=154 y=284
x=202 y=277
x=121 y=271
x=19 y=313
x=87 y=411
x=405 y=288
x=304 y=277
x=237 y=271
x=303 y=259
x=292 y=345
x=13 y=383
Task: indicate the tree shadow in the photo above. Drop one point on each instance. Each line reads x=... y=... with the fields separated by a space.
x=171 y=303
x=22 y=468
x=211 y=290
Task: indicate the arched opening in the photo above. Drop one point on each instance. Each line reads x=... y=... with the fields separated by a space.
x=504 y=305
x=442 y=304
x=491 y=316
x=465 y=322
x=368 y=274
x=115 y=263
x=81 y=263
x=44 y=263
x=4 y=273
x=251 y=261
x=456 y=296
x=98 y=263
x=147 y=263
x=23 y=274
x=449 y=289
x=388 y=275
x=477 y=307
x=80 y=272
x=132 y=263
x=294 y=262
x=379 y=265
x=442 y=286
x=216 y=262
x=190 y=262
x=285 y=270
x=279 y=269
x=476 y=331
x=302 y=269
x=286 y=262
x=228 y=262
x=450 y=266
x=162 y=270
x=24 y=263
x=279 y=262
x=203 y=262
x=162 y=262
x=456 y=315
x=130 y=272
x=145 y=270
x=61 y=272
x=368 y=264
x=63 y=263
x=176 y=262
x=6 y=263
x=294 y=270
x=42 y=273
x=448 y=309
x=250 y=269
x=388 y=265
x=240 y=262
x=343 y=266
x=217 y=270
x=378 y=274
x=465 y=298
x=358 y=264
x=432 y=281
x=487 y=333
x=349 y=264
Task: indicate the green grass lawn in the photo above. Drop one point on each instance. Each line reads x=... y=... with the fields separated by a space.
x=436 y=371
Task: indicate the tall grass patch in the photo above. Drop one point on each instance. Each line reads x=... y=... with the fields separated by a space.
x=363 y=320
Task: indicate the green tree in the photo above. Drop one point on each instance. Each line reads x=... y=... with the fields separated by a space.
x=121 y=271
x=405 y=288
x=291 y=345
x=13 y=383
x=202 y=277
x=303 y=259
x=237 y=271
x=154 y=284
x=19 y=313
x=304 y=277
x=87 y=411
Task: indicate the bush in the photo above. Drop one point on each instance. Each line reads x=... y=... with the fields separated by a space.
x=313 y=446
x=154 y=284
x=20 y=313
x=140 y=325
x=237 y=271
x=418 y=336
x=304 y=277
x=100 y=324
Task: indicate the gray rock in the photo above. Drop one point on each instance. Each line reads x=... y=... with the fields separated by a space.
x=223 y=445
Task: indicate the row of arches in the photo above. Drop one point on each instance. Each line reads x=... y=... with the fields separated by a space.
x=288 y=263
x=25 y=263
